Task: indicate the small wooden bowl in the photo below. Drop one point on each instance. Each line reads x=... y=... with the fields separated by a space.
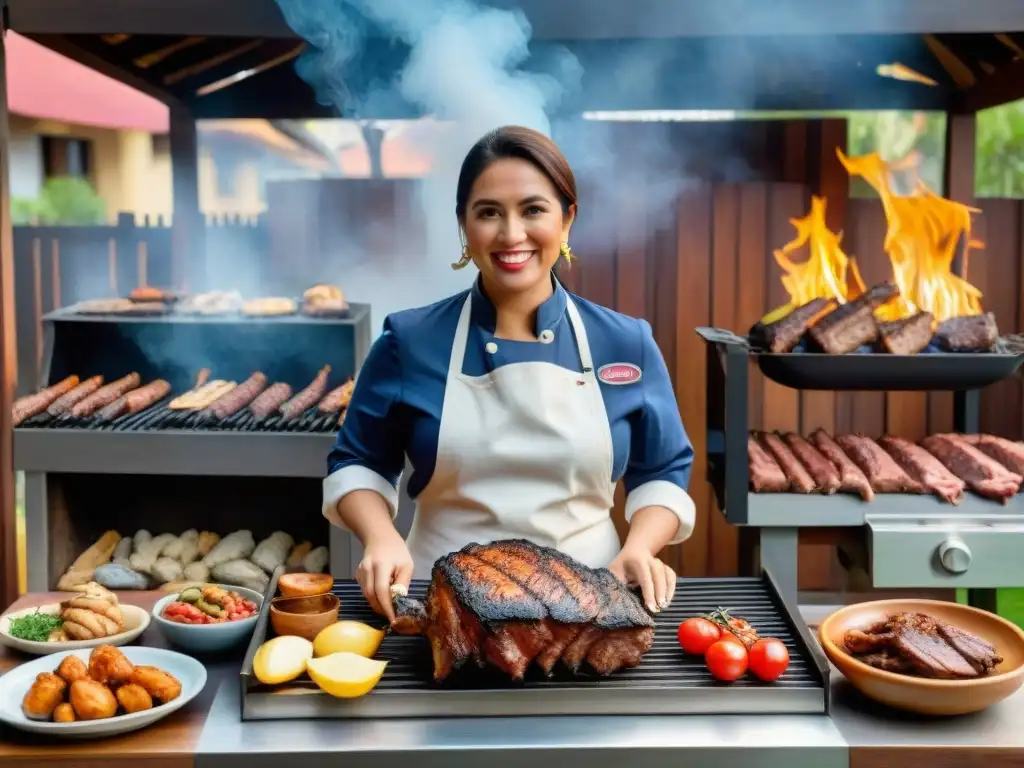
x=304 y=584
x=927 y=696
x=303 y=616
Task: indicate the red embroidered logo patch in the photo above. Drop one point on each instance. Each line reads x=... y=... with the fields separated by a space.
x=619 y=373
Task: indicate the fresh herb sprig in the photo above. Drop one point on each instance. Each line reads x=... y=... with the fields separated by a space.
x=35 y=627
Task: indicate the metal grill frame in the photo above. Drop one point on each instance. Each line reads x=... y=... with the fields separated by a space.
x=691 y=692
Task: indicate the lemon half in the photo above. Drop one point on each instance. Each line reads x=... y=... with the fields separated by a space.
x=348 y=636
x=345 y=675
x=281 y=659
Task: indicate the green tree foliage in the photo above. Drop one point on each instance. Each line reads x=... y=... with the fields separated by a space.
x=999 y=158
x=63 y=200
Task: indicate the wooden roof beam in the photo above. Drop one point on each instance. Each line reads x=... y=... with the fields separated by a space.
x=1006 y=85
x=566 y=20
x=67 y=48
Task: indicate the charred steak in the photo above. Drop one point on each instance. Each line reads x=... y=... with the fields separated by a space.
x=914 y=643
x=513 y=603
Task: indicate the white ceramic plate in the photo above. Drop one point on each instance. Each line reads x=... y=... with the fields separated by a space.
x=135 y=621
x=15 y=684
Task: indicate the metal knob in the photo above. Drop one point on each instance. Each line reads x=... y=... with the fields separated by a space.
x=955 y=555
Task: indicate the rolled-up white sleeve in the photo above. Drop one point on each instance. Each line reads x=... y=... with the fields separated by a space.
x=369 y=453
x=661 y=456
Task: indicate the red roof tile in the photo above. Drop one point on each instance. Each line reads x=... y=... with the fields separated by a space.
x=45 y=85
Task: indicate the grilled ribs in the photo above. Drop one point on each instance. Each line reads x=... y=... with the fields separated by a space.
x=914 y=643
x=513 y=603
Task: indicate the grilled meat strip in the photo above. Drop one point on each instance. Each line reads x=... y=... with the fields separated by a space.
x=853 y=324
x=915 y=643
x=882 y=471
x=800 y=481
x=825 y=475
x=272 y=398
x=63 y=404
x=1007 y=452
x=925 y=468
x=907 y=336
x=201 y=378
x=766 y=476
x=514 y=603
x=105 y=395
x=968 y=333
x=308 y=397
x=784 y=334
x=34 y=404
x=236 y=399
x=136 y=401
x=337 y=398
x=851 y=478
x=983 y=474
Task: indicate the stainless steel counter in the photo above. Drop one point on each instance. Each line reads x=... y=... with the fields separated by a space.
x=859 y=732
x=598 y=742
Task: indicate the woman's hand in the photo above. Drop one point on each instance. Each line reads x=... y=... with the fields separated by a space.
x=386 y=562
x=636 y=565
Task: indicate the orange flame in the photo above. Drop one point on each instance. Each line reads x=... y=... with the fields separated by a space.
x=923 y=234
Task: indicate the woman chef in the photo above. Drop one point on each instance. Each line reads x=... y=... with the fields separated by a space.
x=519 y=405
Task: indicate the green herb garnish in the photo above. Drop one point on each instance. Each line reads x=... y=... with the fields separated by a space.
x=36 y=627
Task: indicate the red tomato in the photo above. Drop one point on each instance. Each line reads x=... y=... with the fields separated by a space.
x=726 y=660
x=696 y=635
x=768 y=659
x=729 y=637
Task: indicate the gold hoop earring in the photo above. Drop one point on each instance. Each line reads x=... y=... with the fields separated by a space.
x=566 y=252
x=466 y=258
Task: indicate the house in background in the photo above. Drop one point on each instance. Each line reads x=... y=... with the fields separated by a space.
x=69 y=120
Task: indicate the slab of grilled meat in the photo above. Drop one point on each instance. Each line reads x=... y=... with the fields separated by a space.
x=917 y=644
x=513 y=603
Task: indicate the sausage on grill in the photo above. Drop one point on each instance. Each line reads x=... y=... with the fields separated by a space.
x=271 y=399
x=239 y=397
x=337 y=398
x=105 y=395
x=137 y=400
x=308 y=397
x=32 y=405
x=64 y=403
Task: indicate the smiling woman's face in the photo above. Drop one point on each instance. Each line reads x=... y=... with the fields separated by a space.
x=514 y=226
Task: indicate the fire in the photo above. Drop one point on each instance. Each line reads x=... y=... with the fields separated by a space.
x=923 y=235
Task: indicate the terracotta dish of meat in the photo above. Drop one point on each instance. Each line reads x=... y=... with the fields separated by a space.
x=925 y=656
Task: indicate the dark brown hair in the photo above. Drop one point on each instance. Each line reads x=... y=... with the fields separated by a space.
x=514 y=141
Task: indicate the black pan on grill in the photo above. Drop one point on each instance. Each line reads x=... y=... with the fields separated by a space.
x=929 y=370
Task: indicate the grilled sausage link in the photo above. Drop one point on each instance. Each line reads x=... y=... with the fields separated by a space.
x=34 y=404
x=271 y=399
x=105 y=395
x=235 y=400
x=137 y=400
x=308 y=397
x=64 y=403
x=337 y=398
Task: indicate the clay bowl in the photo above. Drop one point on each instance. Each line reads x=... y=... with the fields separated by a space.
x=303 y=616
x=927 y=696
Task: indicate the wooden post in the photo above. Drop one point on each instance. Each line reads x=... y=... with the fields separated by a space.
x=188 y=229
x=8 y=360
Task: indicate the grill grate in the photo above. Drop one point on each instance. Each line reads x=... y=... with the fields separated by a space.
x=665 y=663
x=161 y=418
x=666 y=682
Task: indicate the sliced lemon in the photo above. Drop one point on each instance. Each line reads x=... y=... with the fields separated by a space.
x=281 y=659
x=345 y=675
x=348 y=636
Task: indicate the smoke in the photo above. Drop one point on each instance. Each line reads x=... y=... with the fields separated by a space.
x=472 y=67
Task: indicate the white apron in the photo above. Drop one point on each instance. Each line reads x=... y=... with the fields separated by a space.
x=523 y=452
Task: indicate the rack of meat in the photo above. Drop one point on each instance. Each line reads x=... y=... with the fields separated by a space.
x=128 y=404
x=319 y=301
x=922 y=646
x=561 y=639
x=947 y=466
